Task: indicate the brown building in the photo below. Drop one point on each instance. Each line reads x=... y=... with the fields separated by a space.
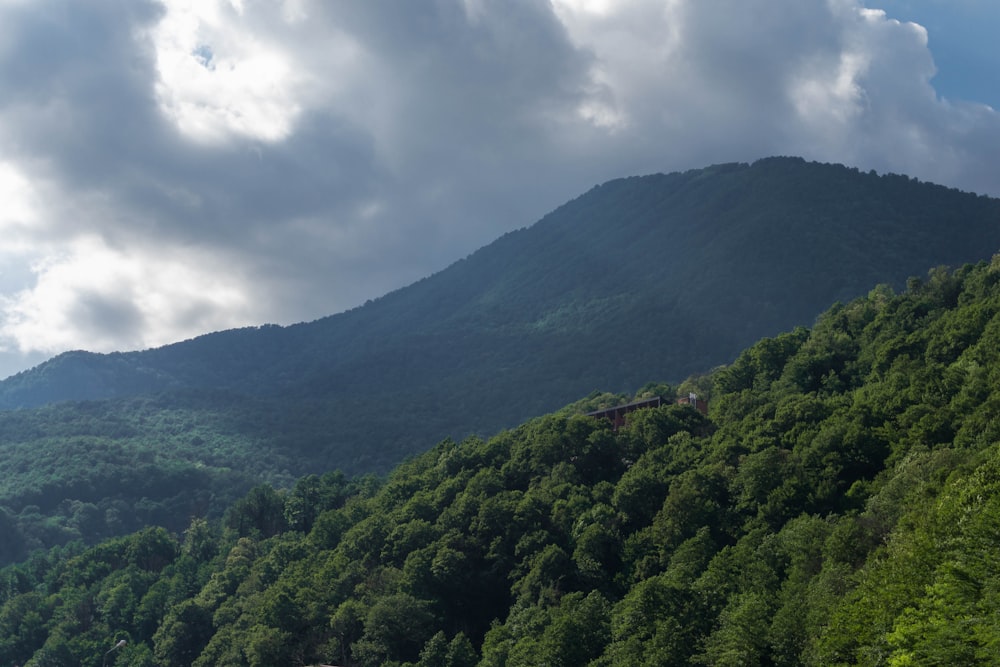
x=693 y=400
x=617 y=414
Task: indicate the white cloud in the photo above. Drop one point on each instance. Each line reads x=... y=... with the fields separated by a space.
x=219 y=77
x=171 y=159
x=102 y=299
x=692 y=82
x=19 y=212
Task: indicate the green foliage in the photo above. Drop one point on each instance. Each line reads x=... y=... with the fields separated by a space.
x=839 y=506
x=662 y=275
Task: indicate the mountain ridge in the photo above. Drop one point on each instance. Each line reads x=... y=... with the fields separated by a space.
x=459 y=297
x=709 y=257
x=654 y=278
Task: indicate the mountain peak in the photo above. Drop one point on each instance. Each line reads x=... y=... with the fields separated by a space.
x=656 y=276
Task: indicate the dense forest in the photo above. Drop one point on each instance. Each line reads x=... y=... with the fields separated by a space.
x=653 y=277
x=839 y=505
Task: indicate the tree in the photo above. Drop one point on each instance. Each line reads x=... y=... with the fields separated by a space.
x=261 y=512
x=396 y=628
x=183 y=635
x=579 y=629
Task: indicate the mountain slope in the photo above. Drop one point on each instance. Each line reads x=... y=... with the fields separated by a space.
x=653 y=277
x=650 y=276
x=839 y=505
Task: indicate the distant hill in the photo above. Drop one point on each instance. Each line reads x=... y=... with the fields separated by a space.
x=660 y=275
x=644 y=278
x=654 y=276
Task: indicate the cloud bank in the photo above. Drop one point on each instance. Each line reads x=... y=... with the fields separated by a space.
x=173 y=168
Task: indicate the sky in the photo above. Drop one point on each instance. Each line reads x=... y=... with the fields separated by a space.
x=173 y=168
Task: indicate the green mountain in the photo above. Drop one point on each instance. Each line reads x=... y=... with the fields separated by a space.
x=839 y=505
x=654 y=277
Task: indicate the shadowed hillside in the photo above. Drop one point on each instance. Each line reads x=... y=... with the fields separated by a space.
x=655 y=277
x=660 y=275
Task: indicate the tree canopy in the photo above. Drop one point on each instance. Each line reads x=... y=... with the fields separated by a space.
x=838 y=506
x=642 y=278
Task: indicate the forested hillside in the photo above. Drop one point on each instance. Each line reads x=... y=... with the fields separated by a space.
x=686 y=268
x=639 y=279
x=838 y=506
